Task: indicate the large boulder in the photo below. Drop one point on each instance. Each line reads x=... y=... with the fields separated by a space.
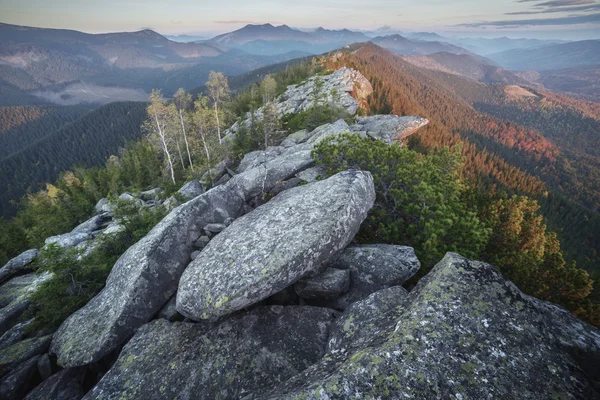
x=70 y=239
x=14 y=297
x=147 y=274
x=241 y=355
x=389 y=128
x=374 y=267
x=191 y=190
x=14 y=355
x=15 y=385
x=141 y=281
x=93 y=224
x=329 y=284
x=17 y=264
x=66 y=384
x=273 y=246
x=15 y=334
x=462 y=332
x=259 y=157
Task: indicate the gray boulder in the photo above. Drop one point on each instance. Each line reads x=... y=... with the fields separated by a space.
x=93 y=224
x=151 y=195
x=389 y=128
x=363 y=319
x=14 y=355
x=214 y=228
x=239 y=356
x=285 y=185
x=103 y=206
x=260 y=180
x=275 y=245
x=295 y=138
x=17 y=264
x=44 y=366
x=311 y=174
x=213 y=175
x=374 y=267
x=329 y=284
x=15 y=334
x=128 y=197
x=14 y=297
x=68 y=239
x=64 y=385
x=257 y=158
x=15 y=385
x=201 y=242
x=191 y=190
x=462 y=332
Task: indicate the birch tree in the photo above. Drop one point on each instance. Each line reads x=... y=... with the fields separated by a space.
x=158 y=124
x=182 y=101
x=268 y=88
x=218 y=90
x=202 y=124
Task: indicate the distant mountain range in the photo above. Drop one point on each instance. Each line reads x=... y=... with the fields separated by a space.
x=268 y=39
x=61 y=66
x=564 y=55
x=401 y=45
x=40 y=66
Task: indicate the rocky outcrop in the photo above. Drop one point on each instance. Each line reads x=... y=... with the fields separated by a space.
x=275 y=245
x=463 y=332
x=372 y=268
x=17 y=264
x=352 y=90
x=351 y=86
x=147 y=274
x=239 y=356
x=388 y=128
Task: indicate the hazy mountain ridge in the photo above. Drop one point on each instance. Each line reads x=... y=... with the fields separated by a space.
x=566 y=55
x=38 y=60
x=401 y=45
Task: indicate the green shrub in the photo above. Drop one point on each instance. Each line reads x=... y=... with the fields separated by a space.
x=420 y=199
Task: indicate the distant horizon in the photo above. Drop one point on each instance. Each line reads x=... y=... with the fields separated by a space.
x=565 y=34
x=541 y=19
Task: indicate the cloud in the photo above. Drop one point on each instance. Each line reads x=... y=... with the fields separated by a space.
x=591 y=7
x=235 y=21
x=564 y=3
x=573 y=20
x=558 y=3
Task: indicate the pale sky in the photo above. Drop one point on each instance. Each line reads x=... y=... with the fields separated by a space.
x=494 y=17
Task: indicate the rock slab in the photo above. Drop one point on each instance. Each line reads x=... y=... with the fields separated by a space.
x=462 y=332
x=239 y=356
x=275 y=245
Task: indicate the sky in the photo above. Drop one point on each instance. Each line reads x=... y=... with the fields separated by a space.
x=569 y=19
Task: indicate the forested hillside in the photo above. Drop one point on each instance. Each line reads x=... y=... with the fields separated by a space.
x=22 y=125
x=87 y=141
x=499 y=153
